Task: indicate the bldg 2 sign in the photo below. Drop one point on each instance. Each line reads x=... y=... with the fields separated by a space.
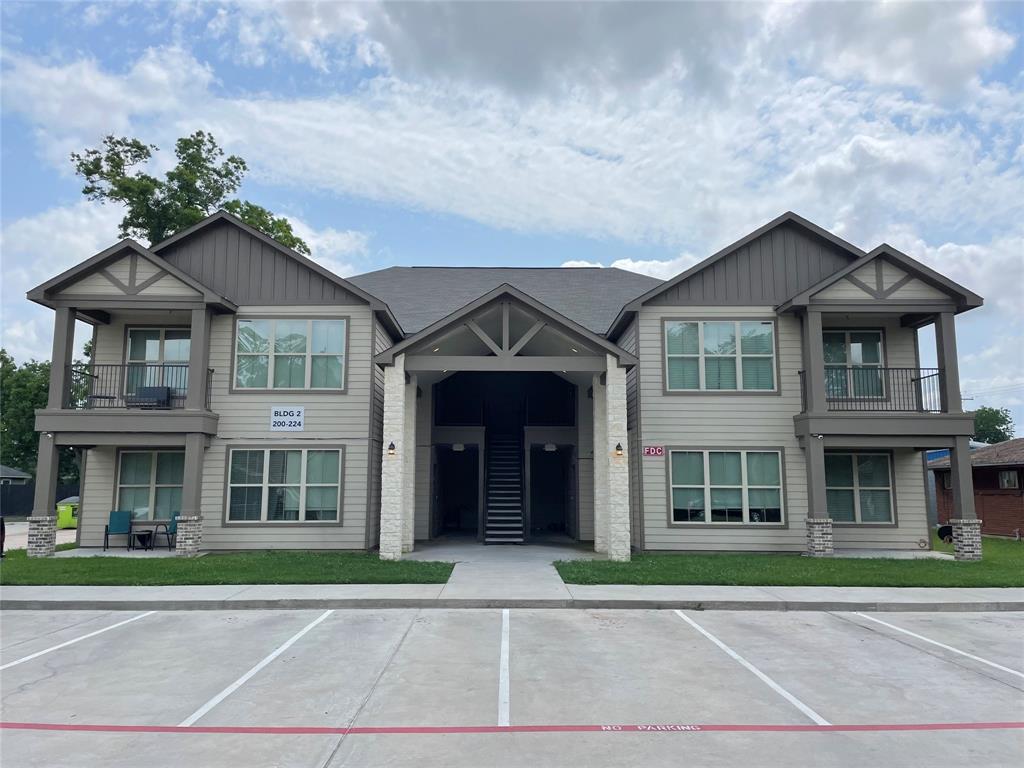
x=287 y=418
x=654 y=450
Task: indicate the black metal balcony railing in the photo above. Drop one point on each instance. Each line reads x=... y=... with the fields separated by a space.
x=874 y=389
x=150 y=386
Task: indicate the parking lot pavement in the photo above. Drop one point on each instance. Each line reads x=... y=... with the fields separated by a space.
x=599 y=682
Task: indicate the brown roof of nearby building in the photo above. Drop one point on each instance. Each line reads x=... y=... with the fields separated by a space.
x=1005 y=454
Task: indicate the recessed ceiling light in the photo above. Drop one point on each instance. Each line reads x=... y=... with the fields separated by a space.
x=437 y=349
x=574 y=349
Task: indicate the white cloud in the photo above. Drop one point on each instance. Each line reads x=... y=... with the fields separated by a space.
x=663 y=269
x=335 y=249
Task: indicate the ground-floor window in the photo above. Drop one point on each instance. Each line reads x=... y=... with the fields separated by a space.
x=149 y=484
x=858 y=487
x=726 y=486
x=284 y=485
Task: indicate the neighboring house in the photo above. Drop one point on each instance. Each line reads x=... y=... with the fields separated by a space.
x=770 y=398
x=11 y=476
x=998 y=472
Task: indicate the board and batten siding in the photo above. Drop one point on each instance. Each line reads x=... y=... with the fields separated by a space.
x=740 y=421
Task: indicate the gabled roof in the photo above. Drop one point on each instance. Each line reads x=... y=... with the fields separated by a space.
x=964 y=298
x=788 y=217
x=223 y=216
x=14 y=473
x=387 y=357
x=41 y=293
x=589 y=296
x=1009 y=453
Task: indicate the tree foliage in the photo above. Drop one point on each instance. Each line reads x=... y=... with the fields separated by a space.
x=199 y=184
x=993 y=425
x=23 y=389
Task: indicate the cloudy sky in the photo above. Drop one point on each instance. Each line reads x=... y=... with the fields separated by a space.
x=644 y=136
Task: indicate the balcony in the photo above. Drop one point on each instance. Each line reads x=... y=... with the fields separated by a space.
x=878 y=406
x=875 y=389
x=145 y=386
x=141 y=399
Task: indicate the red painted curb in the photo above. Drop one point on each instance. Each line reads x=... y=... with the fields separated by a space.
x=470 y=729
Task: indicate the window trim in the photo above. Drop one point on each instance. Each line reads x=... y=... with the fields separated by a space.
x=126 y=361
x=1008 y=473
x=152 y=481
x=883 y=363
x=346 y=355
x=776 y=389
x=746 y=524
x=305 y=447
x=856 y=522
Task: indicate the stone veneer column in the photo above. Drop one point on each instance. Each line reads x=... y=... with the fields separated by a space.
x=820 y=542
x=189 y=537
x=819 y=537
x=392 y=474
x=966 y=538
x=600 y=466
x=409 y=469
x=617 y=510
x=42 y=536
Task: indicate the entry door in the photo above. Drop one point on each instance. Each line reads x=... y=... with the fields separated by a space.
x=571 y=507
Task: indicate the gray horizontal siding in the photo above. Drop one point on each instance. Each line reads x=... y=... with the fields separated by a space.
x=749 y=421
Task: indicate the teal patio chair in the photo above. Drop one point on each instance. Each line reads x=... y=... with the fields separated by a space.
x=119 y=524
x=168 y=529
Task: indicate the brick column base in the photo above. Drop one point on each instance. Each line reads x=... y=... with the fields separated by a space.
x=819 y=537
x=42 y=536
x=966 y=539
x=189 y=536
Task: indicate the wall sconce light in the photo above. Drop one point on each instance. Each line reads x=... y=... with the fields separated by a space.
x=618 y=449
x=458 y=447
x=391 y=448
x=550 y=447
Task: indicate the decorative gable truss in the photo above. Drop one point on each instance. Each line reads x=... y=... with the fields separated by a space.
x=131 y=275
x=881 y=280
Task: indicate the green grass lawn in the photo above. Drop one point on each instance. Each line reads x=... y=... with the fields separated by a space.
x=240 y=568
x=1002 y=565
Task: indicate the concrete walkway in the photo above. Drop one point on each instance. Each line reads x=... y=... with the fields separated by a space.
x=17 y=536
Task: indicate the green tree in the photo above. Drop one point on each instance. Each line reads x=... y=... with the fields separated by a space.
x=200 y=183
x=23 y=389
x=993 y=425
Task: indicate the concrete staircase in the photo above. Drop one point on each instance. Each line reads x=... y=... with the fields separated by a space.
x=503 y=522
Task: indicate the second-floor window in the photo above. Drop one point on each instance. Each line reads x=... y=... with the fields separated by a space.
x=285 y=353
x=158 y=357
x=717 y=355
x=853 y=364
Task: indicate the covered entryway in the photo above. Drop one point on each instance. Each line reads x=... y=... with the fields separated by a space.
x=506 y=374
x=456 y=483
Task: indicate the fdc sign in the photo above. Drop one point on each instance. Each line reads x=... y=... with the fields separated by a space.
x=654 y=450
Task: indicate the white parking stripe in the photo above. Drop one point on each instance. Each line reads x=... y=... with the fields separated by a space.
x=191 y=719
x=764 y=678
x=503 y=685
x=36 y=655
x=949 y=648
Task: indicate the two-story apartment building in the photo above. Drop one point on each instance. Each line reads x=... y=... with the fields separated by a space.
x=771 y=398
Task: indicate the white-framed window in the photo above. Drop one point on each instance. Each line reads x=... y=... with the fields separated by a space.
x=149 y=483
x=285 y=353
x=1009 y=479
x=715 y=355
x=858 y=487
x=276 y=485
x=853 y=363
x=158 y=357
x=714 y=486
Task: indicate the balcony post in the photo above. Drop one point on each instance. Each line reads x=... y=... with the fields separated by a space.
x=949 y=369
x=198 y=359
x=965 y=522
x=61 y=357
x=818 y=523
x=814 y=362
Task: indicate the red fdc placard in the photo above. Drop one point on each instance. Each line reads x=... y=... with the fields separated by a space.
x=654 y=450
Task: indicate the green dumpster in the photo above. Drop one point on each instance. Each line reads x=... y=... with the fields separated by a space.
x=67 y=512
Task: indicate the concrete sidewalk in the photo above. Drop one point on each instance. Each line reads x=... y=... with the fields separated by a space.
x=494 y=594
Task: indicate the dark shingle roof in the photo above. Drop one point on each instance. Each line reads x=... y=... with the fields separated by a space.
x=1001 y=454
x=12 y=472
x=419 y=296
